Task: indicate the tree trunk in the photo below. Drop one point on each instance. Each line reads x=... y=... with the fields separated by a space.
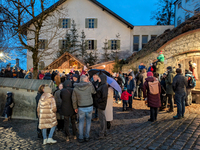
x=35 y=64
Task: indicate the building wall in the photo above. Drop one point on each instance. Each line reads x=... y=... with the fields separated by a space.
x=149 y=30
x=190 y=6
x=172 y=50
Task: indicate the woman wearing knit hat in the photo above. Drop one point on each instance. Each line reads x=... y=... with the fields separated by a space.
x=47 y=114
x=151 y=93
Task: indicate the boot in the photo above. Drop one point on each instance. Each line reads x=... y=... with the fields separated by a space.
x=51 y=141
x=5 y=120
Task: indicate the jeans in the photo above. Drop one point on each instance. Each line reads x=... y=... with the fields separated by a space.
x=6 y=116
x=66 y=124
x=153 y=113
x=103 y=123
x=130 y=100
x=180 y=101
x=170 y=100
x=117 y=95
x=44 y=132
x=83 y=113
x=137 y=91
x=125 y=104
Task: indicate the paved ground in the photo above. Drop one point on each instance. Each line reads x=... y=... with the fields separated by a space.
x=130 y=130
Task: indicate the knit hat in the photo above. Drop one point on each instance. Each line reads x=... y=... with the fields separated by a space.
x=125 y=89
x=160 y=52
x=130 y=74
x=75 y=75
x=47 y=89
x=149 y=74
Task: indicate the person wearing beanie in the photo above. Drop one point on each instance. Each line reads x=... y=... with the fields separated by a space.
x=47 y=115
x=125 y=97
x=169 y=90
x=151 y=93
x=75 y=79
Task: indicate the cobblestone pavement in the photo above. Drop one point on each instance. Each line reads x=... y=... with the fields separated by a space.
x=129 y=131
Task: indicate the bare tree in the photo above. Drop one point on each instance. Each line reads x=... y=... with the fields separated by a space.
x=30 y=32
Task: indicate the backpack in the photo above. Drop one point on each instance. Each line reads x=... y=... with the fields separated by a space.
x=191 y=80
x=153 y=87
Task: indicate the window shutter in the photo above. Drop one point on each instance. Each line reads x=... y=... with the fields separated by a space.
x=95 y=23
x=69 y=23
x=86 y=23
x=86 y=45
x=118 y=44
x=60 y=23
x=95 y=44
x=109 y=44
x=60 y=44
x=46 y=44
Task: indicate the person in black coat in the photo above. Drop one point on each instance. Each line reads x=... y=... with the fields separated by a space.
x=75 y=80
x=47 y=76
x=67 y=108
x=102 y=95
x=8 y=73
x=21 y=74
x=8 y=107
x=163 y=96
x=37 y=98
x=2 y=74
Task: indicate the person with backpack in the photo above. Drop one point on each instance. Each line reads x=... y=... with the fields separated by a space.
x=151 y=93
x=191 y=84
x=179 y=86
x=169 y=89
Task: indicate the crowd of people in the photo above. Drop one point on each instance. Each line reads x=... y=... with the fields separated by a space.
x=78 y=94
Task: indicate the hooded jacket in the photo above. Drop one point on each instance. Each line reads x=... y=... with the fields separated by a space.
x=47 y=111
x=47 y=76
x=102 y=93
x=66 y=96
x=179 y=84
x=152 y=100
x=82 y=94
x=169 y=81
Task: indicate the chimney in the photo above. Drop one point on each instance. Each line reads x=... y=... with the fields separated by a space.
x=17 y=63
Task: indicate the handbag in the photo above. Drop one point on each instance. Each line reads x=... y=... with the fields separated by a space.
x=12 y=105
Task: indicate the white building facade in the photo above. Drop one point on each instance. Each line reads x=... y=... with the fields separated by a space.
x=184 y=9
x=99 y=24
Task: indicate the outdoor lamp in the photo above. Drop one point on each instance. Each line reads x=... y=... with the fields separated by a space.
x=1 y=54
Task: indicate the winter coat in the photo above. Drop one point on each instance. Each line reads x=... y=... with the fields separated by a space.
x=160 y=67
x=94 y=96
x=7 y=109
x=179 y=84
x=29 y=76
x=150 y=69
x=58 y=102
x=37 y=98
x=130 y=85
x=62 y=79
x=47 y=76
x=82 y=95
x=109 y=105
x=137 y=77
x=21 y=75
x=125 y=96
x=194 y=72
x=102 y=93
x=2 y=74
x=120 y=81
x=47 y=111
x=66 y=96
x=8 y=74
x=163 y=86
x=152 y=100
x=73 y=82
x=53 y=75
x=169 y=81
x=41 y=76
x=15 y=74
x=57 y=79
x=161 y=58
x=142 y=78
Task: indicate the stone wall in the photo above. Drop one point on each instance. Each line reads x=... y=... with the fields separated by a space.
x=24 y=93
x=179 y=48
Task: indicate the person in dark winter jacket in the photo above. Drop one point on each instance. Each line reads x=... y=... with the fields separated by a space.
x=169 y=90
x=153 y=100
x=21 y=74
x=2 y=74
x=58 y=100
x=54 y=73
x=137 y=78
x=14 y=73
x=37 y=98
x=125 y=97
x=130 y=89
x=67 y=108
x=8 y=73
x=102 y=95
x=142 y=78
x=179 y=86
x=75 y=79
x=163 y=96
x=94 y=96
x=47 y=76
x=8 y=107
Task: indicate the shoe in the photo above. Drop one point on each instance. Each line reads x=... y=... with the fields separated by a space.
x=87 y=139
x=5 y=120
x=183 y=116
x=149 y=120
x=67 y=139
x=80 y=140
x=177 y=117
x=95 y=119
x=51 y=141
x=44 y=141
x=75 y=137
